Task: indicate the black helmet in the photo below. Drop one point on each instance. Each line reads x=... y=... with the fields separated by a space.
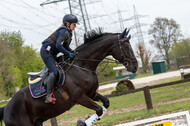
x=70 y=18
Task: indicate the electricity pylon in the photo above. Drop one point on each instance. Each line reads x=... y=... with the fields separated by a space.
x=78 y=8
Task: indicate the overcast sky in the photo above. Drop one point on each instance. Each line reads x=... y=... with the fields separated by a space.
x=36 y=23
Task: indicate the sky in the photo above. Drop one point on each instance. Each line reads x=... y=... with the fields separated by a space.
x=37 y=22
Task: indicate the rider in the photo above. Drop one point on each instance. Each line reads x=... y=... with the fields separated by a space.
x=58 y=41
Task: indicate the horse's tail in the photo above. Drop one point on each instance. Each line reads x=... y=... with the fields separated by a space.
x=1 y=113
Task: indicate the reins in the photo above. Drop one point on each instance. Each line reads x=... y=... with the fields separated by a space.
x=95 y=60
x=82 y=68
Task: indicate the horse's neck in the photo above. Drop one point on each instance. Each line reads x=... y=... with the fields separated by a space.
x=96 y=53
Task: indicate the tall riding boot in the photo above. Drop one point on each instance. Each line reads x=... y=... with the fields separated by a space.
x=50 y=84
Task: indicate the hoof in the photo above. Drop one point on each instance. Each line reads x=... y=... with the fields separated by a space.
x=81 y=123
x=87 y=117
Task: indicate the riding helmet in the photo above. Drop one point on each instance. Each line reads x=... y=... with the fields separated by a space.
x=70 y=18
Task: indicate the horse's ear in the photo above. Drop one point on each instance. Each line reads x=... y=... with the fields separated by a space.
x=127 y=32
x=122 y=34
x=129 y=37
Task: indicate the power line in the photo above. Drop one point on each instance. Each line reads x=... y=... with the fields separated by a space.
x=23 y=18
x=77 y=8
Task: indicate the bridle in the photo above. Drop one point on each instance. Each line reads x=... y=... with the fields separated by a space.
x=126 y=60
x=122 y=52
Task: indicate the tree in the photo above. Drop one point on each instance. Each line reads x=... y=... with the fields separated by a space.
x=181 y=52
x=5 y=62
x=144 y=55
x=165 y=33
x=31 y=62
x=16 y=60
x=105 y=71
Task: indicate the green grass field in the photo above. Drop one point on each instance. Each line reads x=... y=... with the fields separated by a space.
x=130 y=107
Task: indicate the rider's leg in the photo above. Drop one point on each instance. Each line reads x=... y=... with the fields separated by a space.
x=50 y=63
x=50 y=85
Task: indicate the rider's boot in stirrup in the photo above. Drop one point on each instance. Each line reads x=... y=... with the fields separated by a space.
x=50 y=97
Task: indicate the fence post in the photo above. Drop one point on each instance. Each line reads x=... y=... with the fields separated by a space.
x=147 y=97
x=54 y=122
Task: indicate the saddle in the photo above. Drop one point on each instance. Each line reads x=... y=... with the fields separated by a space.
x=38 y=81
x=37 y=76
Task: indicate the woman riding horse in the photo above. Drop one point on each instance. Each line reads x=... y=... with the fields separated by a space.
x=58 y=41
x=80 y=85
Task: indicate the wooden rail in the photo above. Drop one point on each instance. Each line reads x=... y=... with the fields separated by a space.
x=146 y=90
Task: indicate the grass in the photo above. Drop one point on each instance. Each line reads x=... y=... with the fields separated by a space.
x=2 y=105
x=142 y=114
x=143 y=75
x=120 y=105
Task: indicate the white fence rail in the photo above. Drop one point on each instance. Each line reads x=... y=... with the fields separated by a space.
x=175 y=119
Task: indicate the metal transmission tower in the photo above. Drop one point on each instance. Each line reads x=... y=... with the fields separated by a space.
x=77 y=7
x=121 y=21
x=137 y=25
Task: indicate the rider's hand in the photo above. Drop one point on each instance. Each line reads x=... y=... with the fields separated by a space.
x=71 y=55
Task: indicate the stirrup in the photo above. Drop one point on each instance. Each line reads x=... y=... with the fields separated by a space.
x=51 y=99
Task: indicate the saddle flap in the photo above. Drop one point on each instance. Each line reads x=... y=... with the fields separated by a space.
x=38 y=86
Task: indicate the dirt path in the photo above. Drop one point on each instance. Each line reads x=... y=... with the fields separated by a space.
x=150 y=80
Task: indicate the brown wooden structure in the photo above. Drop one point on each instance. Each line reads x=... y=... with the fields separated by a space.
x=146 y=91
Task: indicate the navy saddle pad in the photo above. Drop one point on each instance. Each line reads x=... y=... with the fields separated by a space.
x=38 y=89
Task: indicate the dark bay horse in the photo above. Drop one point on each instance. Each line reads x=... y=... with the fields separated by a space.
x=80 y=85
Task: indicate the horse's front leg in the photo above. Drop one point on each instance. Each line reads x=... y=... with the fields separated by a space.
x=85 y=101
x=104 y=100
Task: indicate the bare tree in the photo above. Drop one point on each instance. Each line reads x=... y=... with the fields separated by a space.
x=144 y=55
x=165 y=33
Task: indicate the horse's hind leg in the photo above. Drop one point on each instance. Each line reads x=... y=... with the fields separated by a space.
x=17 y=116
x=18 y=122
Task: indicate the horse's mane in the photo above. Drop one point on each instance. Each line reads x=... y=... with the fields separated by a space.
x=92 y=35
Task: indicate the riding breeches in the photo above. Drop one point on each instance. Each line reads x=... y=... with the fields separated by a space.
x=49 y=61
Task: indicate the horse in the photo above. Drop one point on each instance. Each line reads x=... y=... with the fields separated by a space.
x=81 y=82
